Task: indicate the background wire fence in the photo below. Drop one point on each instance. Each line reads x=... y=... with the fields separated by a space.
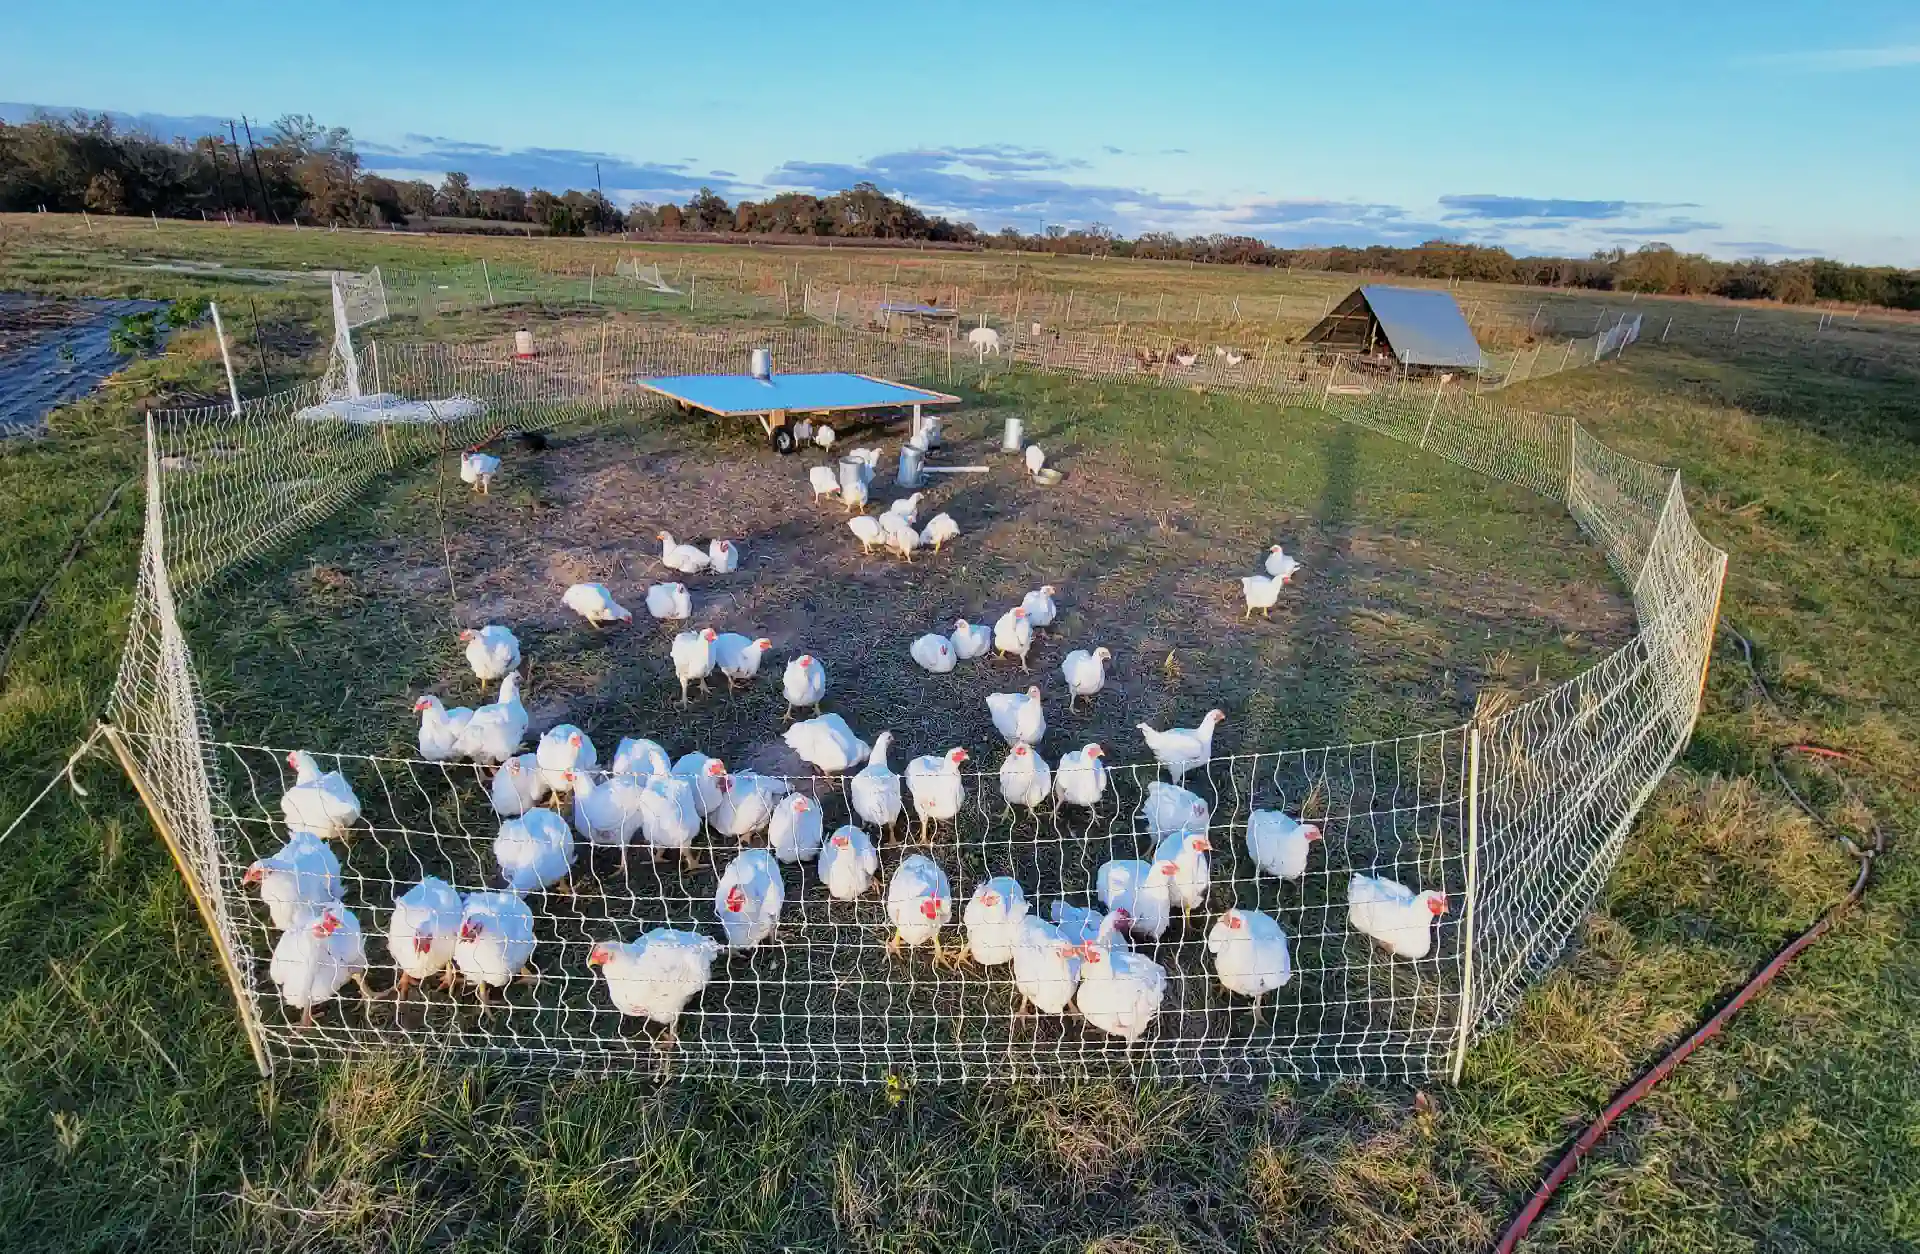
x=1518 y=815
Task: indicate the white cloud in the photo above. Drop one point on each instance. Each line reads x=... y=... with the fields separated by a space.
x=1844 y=60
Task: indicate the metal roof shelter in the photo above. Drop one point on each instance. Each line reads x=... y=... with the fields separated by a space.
x=776 y=398
x=1419 y=326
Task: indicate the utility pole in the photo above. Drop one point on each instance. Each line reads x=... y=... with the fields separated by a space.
x=259 y=177
x=234 y=134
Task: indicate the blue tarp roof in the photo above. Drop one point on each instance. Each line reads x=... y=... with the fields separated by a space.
x=807 y=393
x=1424 y=326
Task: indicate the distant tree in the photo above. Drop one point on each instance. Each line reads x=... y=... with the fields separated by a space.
x=455 y=197
x=708 y=211
x=416 y=198
x=106 y=194
x=670 y=217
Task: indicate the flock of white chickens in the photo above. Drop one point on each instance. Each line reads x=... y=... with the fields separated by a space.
x=1075 y=958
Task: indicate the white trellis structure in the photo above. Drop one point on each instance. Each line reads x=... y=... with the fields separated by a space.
x=1519 y=817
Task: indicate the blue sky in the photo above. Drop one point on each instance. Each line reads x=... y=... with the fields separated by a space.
x=1732 y=129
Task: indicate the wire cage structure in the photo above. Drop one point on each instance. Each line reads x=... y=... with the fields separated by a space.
x=1517 y=817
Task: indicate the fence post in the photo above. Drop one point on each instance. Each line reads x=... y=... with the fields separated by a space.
x=488 y=276
x=1473 y=901
x=1437 y=394
x=226 y=358
x=786 y=298
x=590 y=276
x=1326 y=397
x=1665 y=329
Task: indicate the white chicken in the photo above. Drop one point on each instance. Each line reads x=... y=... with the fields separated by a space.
x=848 y=863
x=1046 y=966
x=1018 y=716
x=670 y=817
x=1280 y=565
x=1085 y=673
x=477 y=470
x=824 y=436
x=1036 y=459
x=702 y=774
x=1279 y=843
x=693 y=658
x=827 y=744
x=970 y=640
x=936 y=786
x=656 y=976
x=297 y=880
x=518 y=786
x=899 y=535
x=684 y=558
x=824 y=481
x=804 y=683
x=723 y=556
x=874 y=791
x=1081 y=777
x=1120 y=990
x=1025 y=778
x=534 y=851
x=422 y=933
x=1171 y=808
x=1190 y=853
x=994 y=918
x=939 y=529
x=746 y=804
x=749 y=899
x=1014 y=634
x=594 y=603
x=491 y=652
x=1081 y=926
x=1181 y=749
x=1262 y=593
x=563 y=748
x=440 y=728
x=1393 y=914
x=1250 y=955
x=496 y=942
x=796 y=831
x=933 y=652
x=319 y=802
x=907 y=508
x=669 y=602
x=866 y=529
x=919 y=904
x=1040 y=607
x=738 y=658
x=640 y=758
x=1143 y=890
x=495 y=731
x=313 y=961
x=854 y=495
x=607 y=809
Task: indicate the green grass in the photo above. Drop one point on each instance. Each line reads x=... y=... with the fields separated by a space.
x=130 y=1115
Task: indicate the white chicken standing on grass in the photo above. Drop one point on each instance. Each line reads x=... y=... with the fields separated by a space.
x=1250 y=956
x=684 y=558
x=640 y=758
x=496 y=942
x=669 y=602
x=606 y=809
x=534 y=851
x=594 y=603
x=723 y=556
x=1014 y=634
x=492 y=651
x=297 y=880
x=795 y=832
x=804 y=683
x=899 y=535
x=1036 y=459
x=827 y=744
x=422 y=933
x=312 y=962
x=848 y=862
x=1262 y=592
x=994 y=918
x=1018 y=716
x=693 y=659
x=494 y=733
x=1170 y=808
x=907 y=508
x=747 y=802
x=1193 y=868
x=1142 y=890
x=319 y=802
x=1393 y=914
x=867 y=531
x=670 y=818
x=749 y=898
x=656 y=976
x=518 y=786
x=477 y=470
x=1120 y=990
x=1279 y=844
x=919 y=904
x=939 y=529
x=563 y=748
x=823 y=481
x=1085 y=673
x=702 y=774
x=937 y=789
x=1025 y=778
x=1080 y=779
x=1182 y=749
x=738 y=658
x=934 y=653
x=824 y=436
x=1040 y=607
x=1280 y=565
x=971 y=640
x=854 y=495
x=1046 y=966
x=1081 y=925
x=440 y=728
x=874 y=791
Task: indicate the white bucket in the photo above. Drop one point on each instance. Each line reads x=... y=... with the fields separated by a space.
x=762 y=363
x=853 y=475
x=1015 y=436
x=523 y=343
x=911 y=462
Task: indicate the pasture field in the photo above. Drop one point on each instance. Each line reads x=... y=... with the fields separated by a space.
x=132 y=1115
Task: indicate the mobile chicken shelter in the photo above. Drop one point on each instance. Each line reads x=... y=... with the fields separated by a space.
x=1413 y=327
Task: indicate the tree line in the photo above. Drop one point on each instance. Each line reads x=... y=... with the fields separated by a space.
x=300 y=171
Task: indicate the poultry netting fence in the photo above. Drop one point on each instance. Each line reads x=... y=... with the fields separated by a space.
x=1517 y=817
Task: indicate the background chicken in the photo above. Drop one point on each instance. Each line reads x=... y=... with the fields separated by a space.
x=669 y=602
x=441 y=729
x=1120 y=990
x=749 y=899
x=562 y=750
x=1081 y=777
x=804 y=683
x=874 y=792
x=692 y=655
x=495 y=731
x=1182 y=749
x=321 y=802
x=994 y=919
x=1025 y=779
x=517 y=786
x=594 y=603
x=1085 y=673
x=1250 y=955
x=492 y=651
x=919 y=904
x=937 y=787
x=1013 y=634
x=496 y=942
x=1279 y=844
x=313 y=962
x=795 y=832
x=297 y=880
x=534 y=851
x=848 y=863
x=1019 y=717
x=422 y=933
x=1393 y=914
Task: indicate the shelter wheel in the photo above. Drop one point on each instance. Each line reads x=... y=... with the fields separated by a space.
x=783 y=441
